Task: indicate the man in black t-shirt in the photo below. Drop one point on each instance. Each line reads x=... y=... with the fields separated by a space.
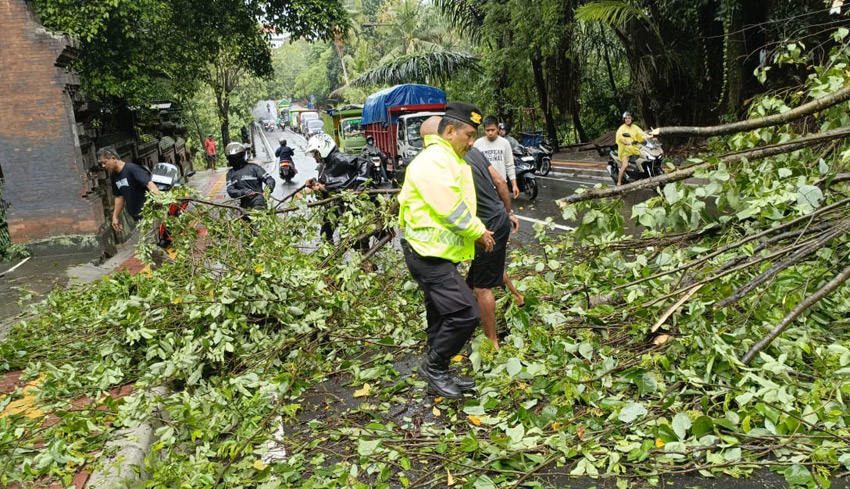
x=487 y=270
x=129 y=182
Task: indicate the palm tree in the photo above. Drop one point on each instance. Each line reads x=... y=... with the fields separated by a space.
x=419 y=67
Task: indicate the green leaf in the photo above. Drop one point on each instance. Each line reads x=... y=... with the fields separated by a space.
x=809 y=197
x=631 y=412
x=367 y=447
x=469 y=443
x=671 y=193
x=681 y=424
x=797 y=475
x=513 y=367
x=702 y=425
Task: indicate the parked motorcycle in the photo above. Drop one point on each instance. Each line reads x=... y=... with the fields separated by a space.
x=167 y=177
x=643 y=166
x=542 y=156
x=525 y=169
x=287 y=171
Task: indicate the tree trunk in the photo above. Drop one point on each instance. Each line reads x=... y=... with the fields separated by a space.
x=735 y=56
x=582 y=135
x=808 y=108
x=543 y=97
x=610 y=71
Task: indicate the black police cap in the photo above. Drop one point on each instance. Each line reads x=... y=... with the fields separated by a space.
x=464 y=112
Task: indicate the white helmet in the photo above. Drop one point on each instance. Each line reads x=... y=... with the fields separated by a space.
x=321 y=143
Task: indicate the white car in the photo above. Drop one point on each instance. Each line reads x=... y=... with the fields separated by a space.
x=315 y=127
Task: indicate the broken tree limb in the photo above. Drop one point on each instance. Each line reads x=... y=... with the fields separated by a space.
x=673 y=308
x=808 y=108
x=738 y=244
x=729 y=271
x=374 y=249
x=291 y=195
x=335 y=197
x=684 y=173
x=790 y=318
x=764 y=276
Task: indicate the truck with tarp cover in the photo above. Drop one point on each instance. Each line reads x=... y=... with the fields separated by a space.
x=343 y=124
x=393 y=116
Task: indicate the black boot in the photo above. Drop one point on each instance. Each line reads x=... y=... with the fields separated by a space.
x=465 y=384
x=435 y=370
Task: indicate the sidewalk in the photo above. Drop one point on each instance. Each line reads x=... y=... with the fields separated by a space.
x=580 y=164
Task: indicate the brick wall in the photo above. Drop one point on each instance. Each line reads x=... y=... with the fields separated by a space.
x=47 y=181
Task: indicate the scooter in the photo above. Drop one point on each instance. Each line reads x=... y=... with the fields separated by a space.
x=167 y=177
x=542 y=157
x=287 y=171
x=375 y=170
x=525 y=169
x=643 y=166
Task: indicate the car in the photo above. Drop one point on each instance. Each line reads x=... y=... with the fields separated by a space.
x=315 y=127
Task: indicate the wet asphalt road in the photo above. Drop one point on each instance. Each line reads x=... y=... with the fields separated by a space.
x=552 y=187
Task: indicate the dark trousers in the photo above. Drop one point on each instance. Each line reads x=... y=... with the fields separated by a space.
x=450 y=307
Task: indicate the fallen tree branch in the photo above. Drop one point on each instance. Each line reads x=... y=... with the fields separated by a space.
x=673 y=309
x=763 y=277
x=772 y=120
x=790 y=318
x=335 y=197
x=291 y=195
x=738 y=244
x=738 y=268
x=374 y=249
x=684 y=173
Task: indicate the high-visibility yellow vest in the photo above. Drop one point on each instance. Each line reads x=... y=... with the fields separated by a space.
x=437 y=204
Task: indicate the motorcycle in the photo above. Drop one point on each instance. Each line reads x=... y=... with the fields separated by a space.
x=643 y=166
x=375 y=170
x=268 y=125
x=167 y=177
x=287 y=171
x=525 y=168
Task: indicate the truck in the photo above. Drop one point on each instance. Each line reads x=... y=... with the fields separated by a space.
x=343 y=124
x=295 y=117
x=393 y=116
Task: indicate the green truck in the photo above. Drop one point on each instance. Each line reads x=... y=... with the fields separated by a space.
x=343 y=124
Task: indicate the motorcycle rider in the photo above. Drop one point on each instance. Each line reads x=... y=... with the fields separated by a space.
x=285 y=153
x=244 y=179
x=371 y=150
x=627 y=145
x=338 y=171
x=503 y=131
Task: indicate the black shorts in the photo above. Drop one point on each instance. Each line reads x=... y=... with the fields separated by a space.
x=488 y=269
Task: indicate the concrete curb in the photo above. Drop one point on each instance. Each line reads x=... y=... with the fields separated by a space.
x=126 y=466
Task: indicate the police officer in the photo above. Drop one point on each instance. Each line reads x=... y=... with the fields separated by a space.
x=245 y=180
x=437 y=207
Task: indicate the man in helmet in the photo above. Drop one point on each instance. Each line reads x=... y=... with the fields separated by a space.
x=338 y=171
x=503 y=131
x=371 y=150
x=285 y=153
x=628 y=136
x=245 y=180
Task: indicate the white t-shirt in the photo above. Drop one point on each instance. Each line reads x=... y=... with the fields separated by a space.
x=499 y=154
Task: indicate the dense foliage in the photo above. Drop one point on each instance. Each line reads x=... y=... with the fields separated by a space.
x=625 y=363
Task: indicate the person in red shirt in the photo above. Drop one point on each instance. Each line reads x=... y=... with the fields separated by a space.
x=209 y=145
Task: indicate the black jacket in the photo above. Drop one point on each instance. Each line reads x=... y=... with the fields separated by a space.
x=284 y=153
x=342 y=171
x=248 y=179
x=374 y=151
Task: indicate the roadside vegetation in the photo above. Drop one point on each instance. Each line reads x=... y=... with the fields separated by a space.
x=715 y=343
